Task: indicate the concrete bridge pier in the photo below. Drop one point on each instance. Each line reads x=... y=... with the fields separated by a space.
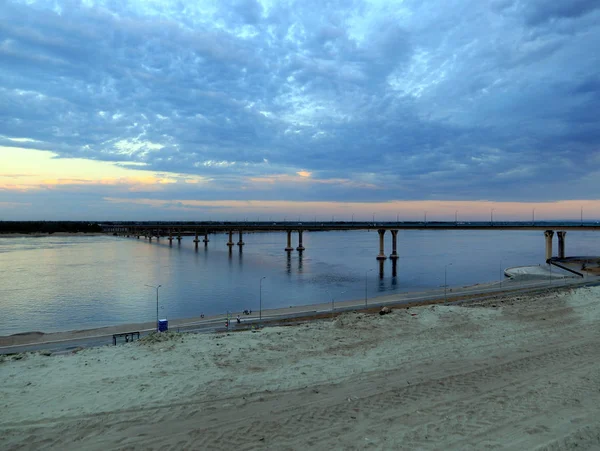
x=394 y=267
x=230 y=242
x=381 y=269
x=289 y=247
x=300 y=247
x=170 y=238
x=150 y=238
x=561 y=243
x=548 y=234
x=381 y=255
x=240 y=242
x=196 y=240
x=394 y=255
x=205 y=240
x=178 y=236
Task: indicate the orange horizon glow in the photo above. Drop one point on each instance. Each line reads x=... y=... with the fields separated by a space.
x=436 y=210
x=18 y=174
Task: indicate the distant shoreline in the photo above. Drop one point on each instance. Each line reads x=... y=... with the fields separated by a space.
x=41 y=235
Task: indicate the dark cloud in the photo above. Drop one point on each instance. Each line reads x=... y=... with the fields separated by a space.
x=456 y=99
x=541 y=11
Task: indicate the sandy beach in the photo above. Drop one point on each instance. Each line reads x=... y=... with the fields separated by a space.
x=513 y=372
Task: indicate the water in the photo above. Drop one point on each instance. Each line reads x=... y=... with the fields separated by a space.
x=65 y=283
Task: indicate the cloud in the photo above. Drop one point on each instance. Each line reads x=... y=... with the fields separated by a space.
x=455 y=100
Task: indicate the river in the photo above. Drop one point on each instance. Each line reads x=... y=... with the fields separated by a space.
x=58 y=283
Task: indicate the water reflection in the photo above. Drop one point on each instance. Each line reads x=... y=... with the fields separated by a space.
x=288 y=260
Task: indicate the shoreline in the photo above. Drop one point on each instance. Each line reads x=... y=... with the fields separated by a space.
x=300 y=312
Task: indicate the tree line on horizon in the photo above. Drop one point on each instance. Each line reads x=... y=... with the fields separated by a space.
x=49 y=227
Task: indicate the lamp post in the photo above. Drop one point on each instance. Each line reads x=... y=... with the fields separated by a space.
x=445 y=279
x=260 y=300
x=333 y=301
x=366 y=272
x=156 y=288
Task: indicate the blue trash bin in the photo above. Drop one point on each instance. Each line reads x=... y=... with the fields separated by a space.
x=163 y=325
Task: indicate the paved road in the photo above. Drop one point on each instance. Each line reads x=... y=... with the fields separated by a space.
x=285 y=316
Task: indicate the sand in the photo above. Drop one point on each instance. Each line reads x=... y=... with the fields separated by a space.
x=519 y=372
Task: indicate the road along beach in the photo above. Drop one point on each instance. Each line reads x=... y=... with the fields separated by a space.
x=512 y=372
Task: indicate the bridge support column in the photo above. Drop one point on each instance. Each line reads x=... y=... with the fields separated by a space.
x=170 y=237
x=205 y=240
x=240 y=242
x=381 y=255
x=150 y=238
x=178 y=236
x=394 y=254
x=561 y=243
x=300 y=247
x=289 y=247
x=196 y=240
x=230 y=242
x=548 y=234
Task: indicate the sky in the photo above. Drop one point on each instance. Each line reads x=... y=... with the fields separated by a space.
x=264 y=109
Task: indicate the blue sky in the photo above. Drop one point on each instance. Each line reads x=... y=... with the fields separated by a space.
x=179 y=110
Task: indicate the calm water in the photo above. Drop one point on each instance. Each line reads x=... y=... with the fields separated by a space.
x=63 y=283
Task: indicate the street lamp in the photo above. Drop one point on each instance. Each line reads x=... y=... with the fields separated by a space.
x=445 y=279
x=260 y=301
x=397 y=217
x=156 y=288
x=366 y=272
x=333 y=301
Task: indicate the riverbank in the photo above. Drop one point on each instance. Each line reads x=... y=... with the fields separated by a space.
x=511 y=372
x=299 y=312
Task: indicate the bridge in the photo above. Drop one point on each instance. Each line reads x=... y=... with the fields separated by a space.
x=175 y=230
